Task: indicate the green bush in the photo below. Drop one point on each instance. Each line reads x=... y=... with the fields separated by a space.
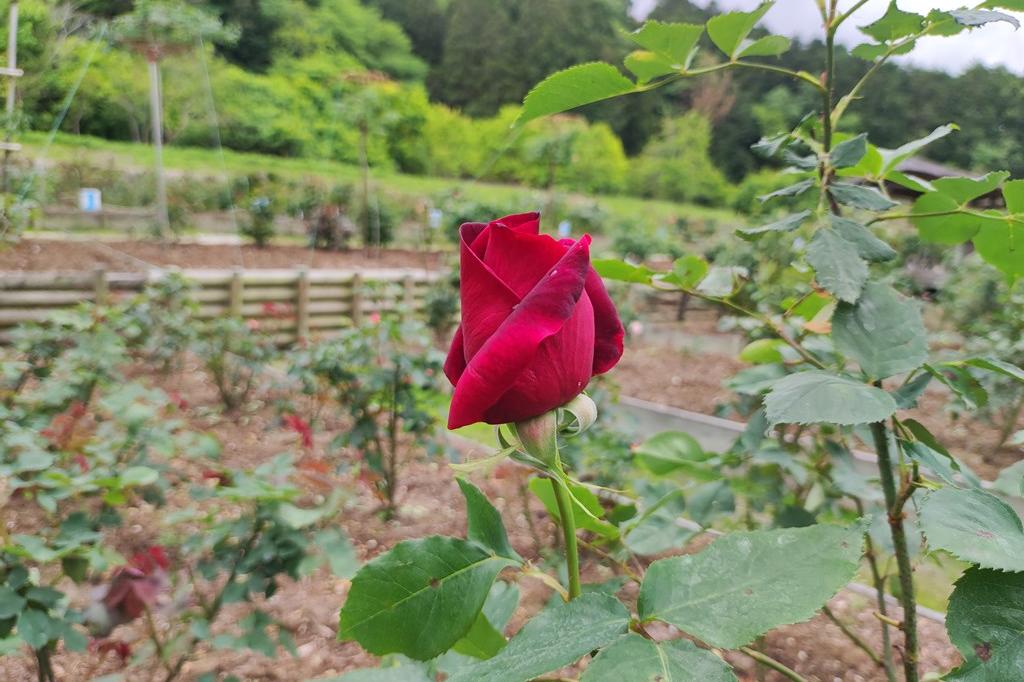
x=675 y=165
x=259 y=226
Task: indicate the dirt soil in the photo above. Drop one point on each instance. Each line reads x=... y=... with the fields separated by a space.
x=129 y=256
x=666 y=375
x=309 y=607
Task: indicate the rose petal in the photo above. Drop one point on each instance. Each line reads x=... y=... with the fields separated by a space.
x=486 y=300
x=510 y=350
x=455 y=363
x=608 y=330
x=520 y=259
x=558 y=372
x=521 y=222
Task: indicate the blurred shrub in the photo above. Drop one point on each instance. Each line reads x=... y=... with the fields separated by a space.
x=675 y=164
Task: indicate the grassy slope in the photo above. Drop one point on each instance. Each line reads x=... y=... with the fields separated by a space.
x=210 y=161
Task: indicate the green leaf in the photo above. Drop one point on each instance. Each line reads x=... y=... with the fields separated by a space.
x=979 y=17
x=894 y=24
x=985 y=621
x=728 y=30
x=1007 y=369
x=1001 y=244
x=816 y=397
x=419 y=598
x=710 y=501
x=721 y=280
x=139 y=476
x=11 y=603
x=33 y=460
x=484 y=522
x=638 y=659
x=341 y=555
x=840 y=269
x=891 y=158
x=670 y=452
x=687 y=271
x=962 y=383
x=611 y=268
x=870 y=247
x=940 y=464
x=658 y=529
x=964 y=189
x=573 y=87
x=859 y=196
x=747 y=583
x=768 y=46
x=1013 y=194
x=1010 y=480
x=647 y=66
x=849 y=152
x=787 y=224
x=870 y=52
x=789 y=191
x=555 y=638
x=586 y=508
x=882 y=332
x=1012 y=5
x=675 y=42
x=482 y=641
x=975 y=526
x=763 y=351
x=36 y=628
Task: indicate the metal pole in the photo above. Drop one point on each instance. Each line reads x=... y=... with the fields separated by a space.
x=162 y=220
x=12 y=79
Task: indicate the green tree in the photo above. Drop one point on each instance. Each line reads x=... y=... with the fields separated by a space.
x=676 y=165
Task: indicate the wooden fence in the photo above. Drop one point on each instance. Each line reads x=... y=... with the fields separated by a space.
x=289 y=303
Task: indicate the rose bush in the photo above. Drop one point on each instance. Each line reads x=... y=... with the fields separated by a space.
x=537 y=323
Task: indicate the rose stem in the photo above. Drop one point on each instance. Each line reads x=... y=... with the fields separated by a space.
x=572 y=556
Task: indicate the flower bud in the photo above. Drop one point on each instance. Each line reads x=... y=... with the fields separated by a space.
x=538 y=437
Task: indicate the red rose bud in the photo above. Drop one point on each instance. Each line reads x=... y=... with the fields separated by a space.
x=537 y=323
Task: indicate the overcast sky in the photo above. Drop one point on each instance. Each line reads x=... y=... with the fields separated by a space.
x=992 y=44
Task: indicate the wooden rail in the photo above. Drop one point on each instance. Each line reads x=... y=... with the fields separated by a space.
x=290 y=303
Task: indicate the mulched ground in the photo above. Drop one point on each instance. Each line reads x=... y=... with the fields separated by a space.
x=309 y=608
x=130 y=256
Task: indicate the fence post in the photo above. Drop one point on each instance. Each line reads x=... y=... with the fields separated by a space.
x=302 y=305
x=235 y=294
x=357 y=300
x=101 y=288
x=409 y=296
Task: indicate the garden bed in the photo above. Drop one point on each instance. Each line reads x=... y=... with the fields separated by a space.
x=309 y=607
x=132 y=256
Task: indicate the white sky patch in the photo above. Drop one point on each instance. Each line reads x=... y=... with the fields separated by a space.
x=995 y=44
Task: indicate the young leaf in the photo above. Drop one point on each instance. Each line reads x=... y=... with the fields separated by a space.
x=882 y=332
x=787 y=224
x=747 y=583
x=768 y=46
x=727 y=31
x=941 y=465
x=687 y=271
x=789 y=191
x=985 y=621
x=858 y=196
x=952 y=228
x=964 y=190
x=557 y=637
x=894 y=24
x=586 y=508
x=639 y=659
x=671 y=451
x=573 y=87
x=419 y=598
x=1001 y=244
x=974 y=526
x=840 y=269
x=870 y=247
x=647 y=66
x=815 y=397
x=482 y=641
x=610 y=268
x=962 y=383
x=675 y=42
x=997 y=366
x=849 y=152
x=979 y=17
x=484 y=524
x=893 y=157
x=763 y=351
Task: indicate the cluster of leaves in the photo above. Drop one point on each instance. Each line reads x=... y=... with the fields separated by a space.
x=387 y=385
x=82 y=443
x=235 y=356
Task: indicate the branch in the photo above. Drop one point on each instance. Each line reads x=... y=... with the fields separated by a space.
x=770 y=662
